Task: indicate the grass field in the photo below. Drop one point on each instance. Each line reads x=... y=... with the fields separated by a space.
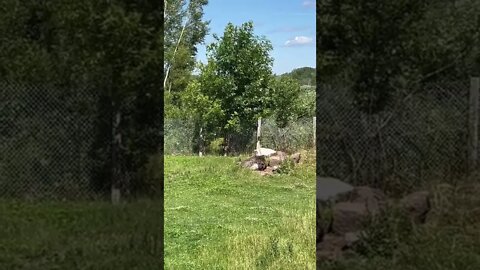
x=220 y=216
x=80 y=235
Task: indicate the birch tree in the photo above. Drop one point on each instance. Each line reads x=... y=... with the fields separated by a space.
x=184 y=30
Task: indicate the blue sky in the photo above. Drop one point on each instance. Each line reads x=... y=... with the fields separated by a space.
x=288 y=24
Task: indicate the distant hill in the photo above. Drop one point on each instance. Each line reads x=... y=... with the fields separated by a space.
x=304 y=75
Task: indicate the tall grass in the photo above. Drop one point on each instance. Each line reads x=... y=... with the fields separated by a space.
x=80 y=235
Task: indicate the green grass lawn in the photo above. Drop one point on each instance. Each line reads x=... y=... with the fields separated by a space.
x=220 y=216
x=80 y=235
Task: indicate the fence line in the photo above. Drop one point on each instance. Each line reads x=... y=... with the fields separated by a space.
x=297 y=135
x=413 y=140
x=46 y=136
x=66 y=142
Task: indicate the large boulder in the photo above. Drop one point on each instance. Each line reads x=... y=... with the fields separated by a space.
x=330 y=189
x=255 y=163
x=374 y=199
x=277 y=159
x=324 y=222
x=417 y=205
x=343 y=210
x=331 y=248
x=348 y=217
x=267 y=171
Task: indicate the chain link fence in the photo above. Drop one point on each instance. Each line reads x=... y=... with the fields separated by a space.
x=422 y=136
x=66 y=142
x=46 y=133
x=297 y=135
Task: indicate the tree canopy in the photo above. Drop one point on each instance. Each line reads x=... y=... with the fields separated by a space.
x=381 y=46
x=115 y=47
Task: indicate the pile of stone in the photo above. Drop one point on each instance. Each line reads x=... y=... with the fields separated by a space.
x=267 y=161
x=349 y=208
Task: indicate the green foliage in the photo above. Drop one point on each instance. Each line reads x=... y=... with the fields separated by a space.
x=216 y=146
x=384 y=234
x=200 y=106
x=113 y=46
x=236 y=79
x=304 y=75
x=184 y=30
x=287 y=101
x=287 y=167
x=379 y=47
x=242 y=63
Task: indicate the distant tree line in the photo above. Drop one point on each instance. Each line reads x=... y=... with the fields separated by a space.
x=304 y=75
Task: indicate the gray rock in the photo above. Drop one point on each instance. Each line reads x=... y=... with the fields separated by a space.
x=417 y=205
x=352 y=237
x=255 y=163
x=276 y=159
x=374 y=199
x=348 y=217
x=330 y=188
x=330 y=248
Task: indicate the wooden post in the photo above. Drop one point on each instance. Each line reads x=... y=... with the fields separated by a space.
x=314 y=130
x=259 y=130
x=473 y=124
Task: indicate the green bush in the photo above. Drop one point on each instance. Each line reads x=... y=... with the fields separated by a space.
x=384 y=234
x=215 y=146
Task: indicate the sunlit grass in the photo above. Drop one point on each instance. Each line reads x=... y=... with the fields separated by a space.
x=219 y=216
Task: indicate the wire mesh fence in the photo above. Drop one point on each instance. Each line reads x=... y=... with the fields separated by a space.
x=180 y=137
x=422 y=136
x=70 y=142
x=297 y=135
x=45 y=136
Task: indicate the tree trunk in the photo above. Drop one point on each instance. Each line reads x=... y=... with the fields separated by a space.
x=174 y=53
x=116 y=164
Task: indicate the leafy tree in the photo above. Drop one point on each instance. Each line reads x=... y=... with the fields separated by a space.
x=184 y=30
x=237 y=76
x=206 y=113
x=287 y=104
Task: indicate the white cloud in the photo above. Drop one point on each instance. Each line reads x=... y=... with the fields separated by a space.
x=309 y=4
x=298 y=41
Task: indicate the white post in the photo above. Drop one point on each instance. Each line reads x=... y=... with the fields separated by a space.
x=259 y=130
x=314 y=130
x=201 y=143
